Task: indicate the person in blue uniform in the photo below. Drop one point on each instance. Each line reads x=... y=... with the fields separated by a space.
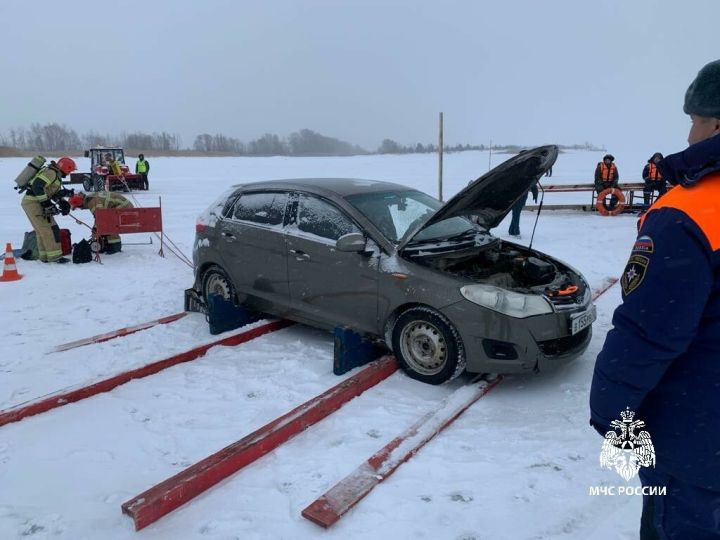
x=661 y=360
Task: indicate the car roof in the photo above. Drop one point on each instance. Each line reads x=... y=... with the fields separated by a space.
x=338 y=186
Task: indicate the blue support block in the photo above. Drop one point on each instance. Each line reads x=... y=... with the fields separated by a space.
x=224 y=315
x=353 y=350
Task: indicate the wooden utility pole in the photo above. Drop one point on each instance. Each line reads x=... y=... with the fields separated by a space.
x=440 y=160
x=490 y=156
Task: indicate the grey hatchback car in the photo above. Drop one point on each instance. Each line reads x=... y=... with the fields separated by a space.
x=395 y=264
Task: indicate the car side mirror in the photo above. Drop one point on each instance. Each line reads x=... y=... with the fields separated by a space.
x=353 y=242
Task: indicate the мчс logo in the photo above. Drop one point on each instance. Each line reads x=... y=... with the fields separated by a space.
x=627 y=451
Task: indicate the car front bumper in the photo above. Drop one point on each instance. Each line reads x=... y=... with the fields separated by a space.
x=497 y=343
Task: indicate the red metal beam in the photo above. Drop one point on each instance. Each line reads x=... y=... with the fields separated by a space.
x=609 y=282
x=118 y=333
x=165 y=497
x=63 y=397
x=330 y=507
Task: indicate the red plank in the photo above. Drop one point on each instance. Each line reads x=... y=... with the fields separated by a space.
x=63 y=397
x=118 y=333
x=609 y=282
x=331 y=506
x=165 y=497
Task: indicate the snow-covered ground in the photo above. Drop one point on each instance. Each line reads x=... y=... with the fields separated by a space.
x=517 y=465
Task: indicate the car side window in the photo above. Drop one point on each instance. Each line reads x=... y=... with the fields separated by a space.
x=321 y=218
x=267 y=208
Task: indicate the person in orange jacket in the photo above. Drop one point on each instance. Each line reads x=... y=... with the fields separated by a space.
x=654 y=180
x=607 y=176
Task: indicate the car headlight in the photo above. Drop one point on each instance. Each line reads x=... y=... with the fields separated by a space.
x=508 y=302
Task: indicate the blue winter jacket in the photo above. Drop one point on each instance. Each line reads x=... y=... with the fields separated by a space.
x=662 y=358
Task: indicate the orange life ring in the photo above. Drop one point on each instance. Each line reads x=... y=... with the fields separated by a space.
x=604 y=210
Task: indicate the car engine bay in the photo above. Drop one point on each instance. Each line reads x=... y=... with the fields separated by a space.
x=505 y=265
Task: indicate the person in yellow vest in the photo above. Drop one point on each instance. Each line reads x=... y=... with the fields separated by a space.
x=41 y=191
x=653 y=179
x=104 y=199
x=142 y=167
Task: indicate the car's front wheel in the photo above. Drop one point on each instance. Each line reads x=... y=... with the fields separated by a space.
x=216 y=281
x=428 y=346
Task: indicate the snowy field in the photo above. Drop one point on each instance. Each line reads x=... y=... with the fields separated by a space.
x=517 y=465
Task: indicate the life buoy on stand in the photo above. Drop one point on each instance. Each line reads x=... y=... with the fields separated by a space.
x=604 y=194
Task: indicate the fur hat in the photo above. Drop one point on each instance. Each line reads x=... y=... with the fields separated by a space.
x=703 y=96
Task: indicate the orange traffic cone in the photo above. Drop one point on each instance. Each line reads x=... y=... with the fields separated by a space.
x=10 y=272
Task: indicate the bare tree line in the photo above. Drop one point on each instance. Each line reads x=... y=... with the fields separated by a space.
x=57 y=138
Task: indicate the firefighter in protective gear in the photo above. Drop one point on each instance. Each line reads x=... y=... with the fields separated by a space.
x=42 y=191
x=105 y=199
x=653 y=178
x=142 y=167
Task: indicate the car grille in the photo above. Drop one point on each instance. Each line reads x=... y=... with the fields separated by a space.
x=554 y=347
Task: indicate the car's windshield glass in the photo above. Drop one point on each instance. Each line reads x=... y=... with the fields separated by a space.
x=400 y=213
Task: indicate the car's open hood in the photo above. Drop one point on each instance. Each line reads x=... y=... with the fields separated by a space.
x=491 y=197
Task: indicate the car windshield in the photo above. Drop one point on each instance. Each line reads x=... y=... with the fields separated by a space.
x=398 y=214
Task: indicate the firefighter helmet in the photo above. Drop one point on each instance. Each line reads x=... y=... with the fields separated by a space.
x=66 y=165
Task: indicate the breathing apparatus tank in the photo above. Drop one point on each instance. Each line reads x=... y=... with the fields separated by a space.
x=30 y=170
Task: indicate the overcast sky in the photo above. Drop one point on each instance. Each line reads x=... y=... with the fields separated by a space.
x=515 y=71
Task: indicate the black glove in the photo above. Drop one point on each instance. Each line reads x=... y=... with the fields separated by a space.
x=50 y=210
x=63 y=192
x=64 y=207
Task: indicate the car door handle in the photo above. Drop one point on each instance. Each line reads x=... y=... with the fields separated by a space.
x=229 y=236
x=300 y=255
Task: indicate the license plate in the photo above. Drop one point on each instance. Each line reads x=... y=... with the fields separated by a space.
x=583 y=320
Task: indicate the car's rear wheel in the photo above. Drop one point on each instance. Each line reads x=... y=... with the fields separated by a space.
x=428 y=346
x=216 y=281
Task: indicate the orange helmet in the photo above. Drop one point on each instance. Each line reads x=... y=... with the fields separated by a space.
x=66 y=165
x=77 y=200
